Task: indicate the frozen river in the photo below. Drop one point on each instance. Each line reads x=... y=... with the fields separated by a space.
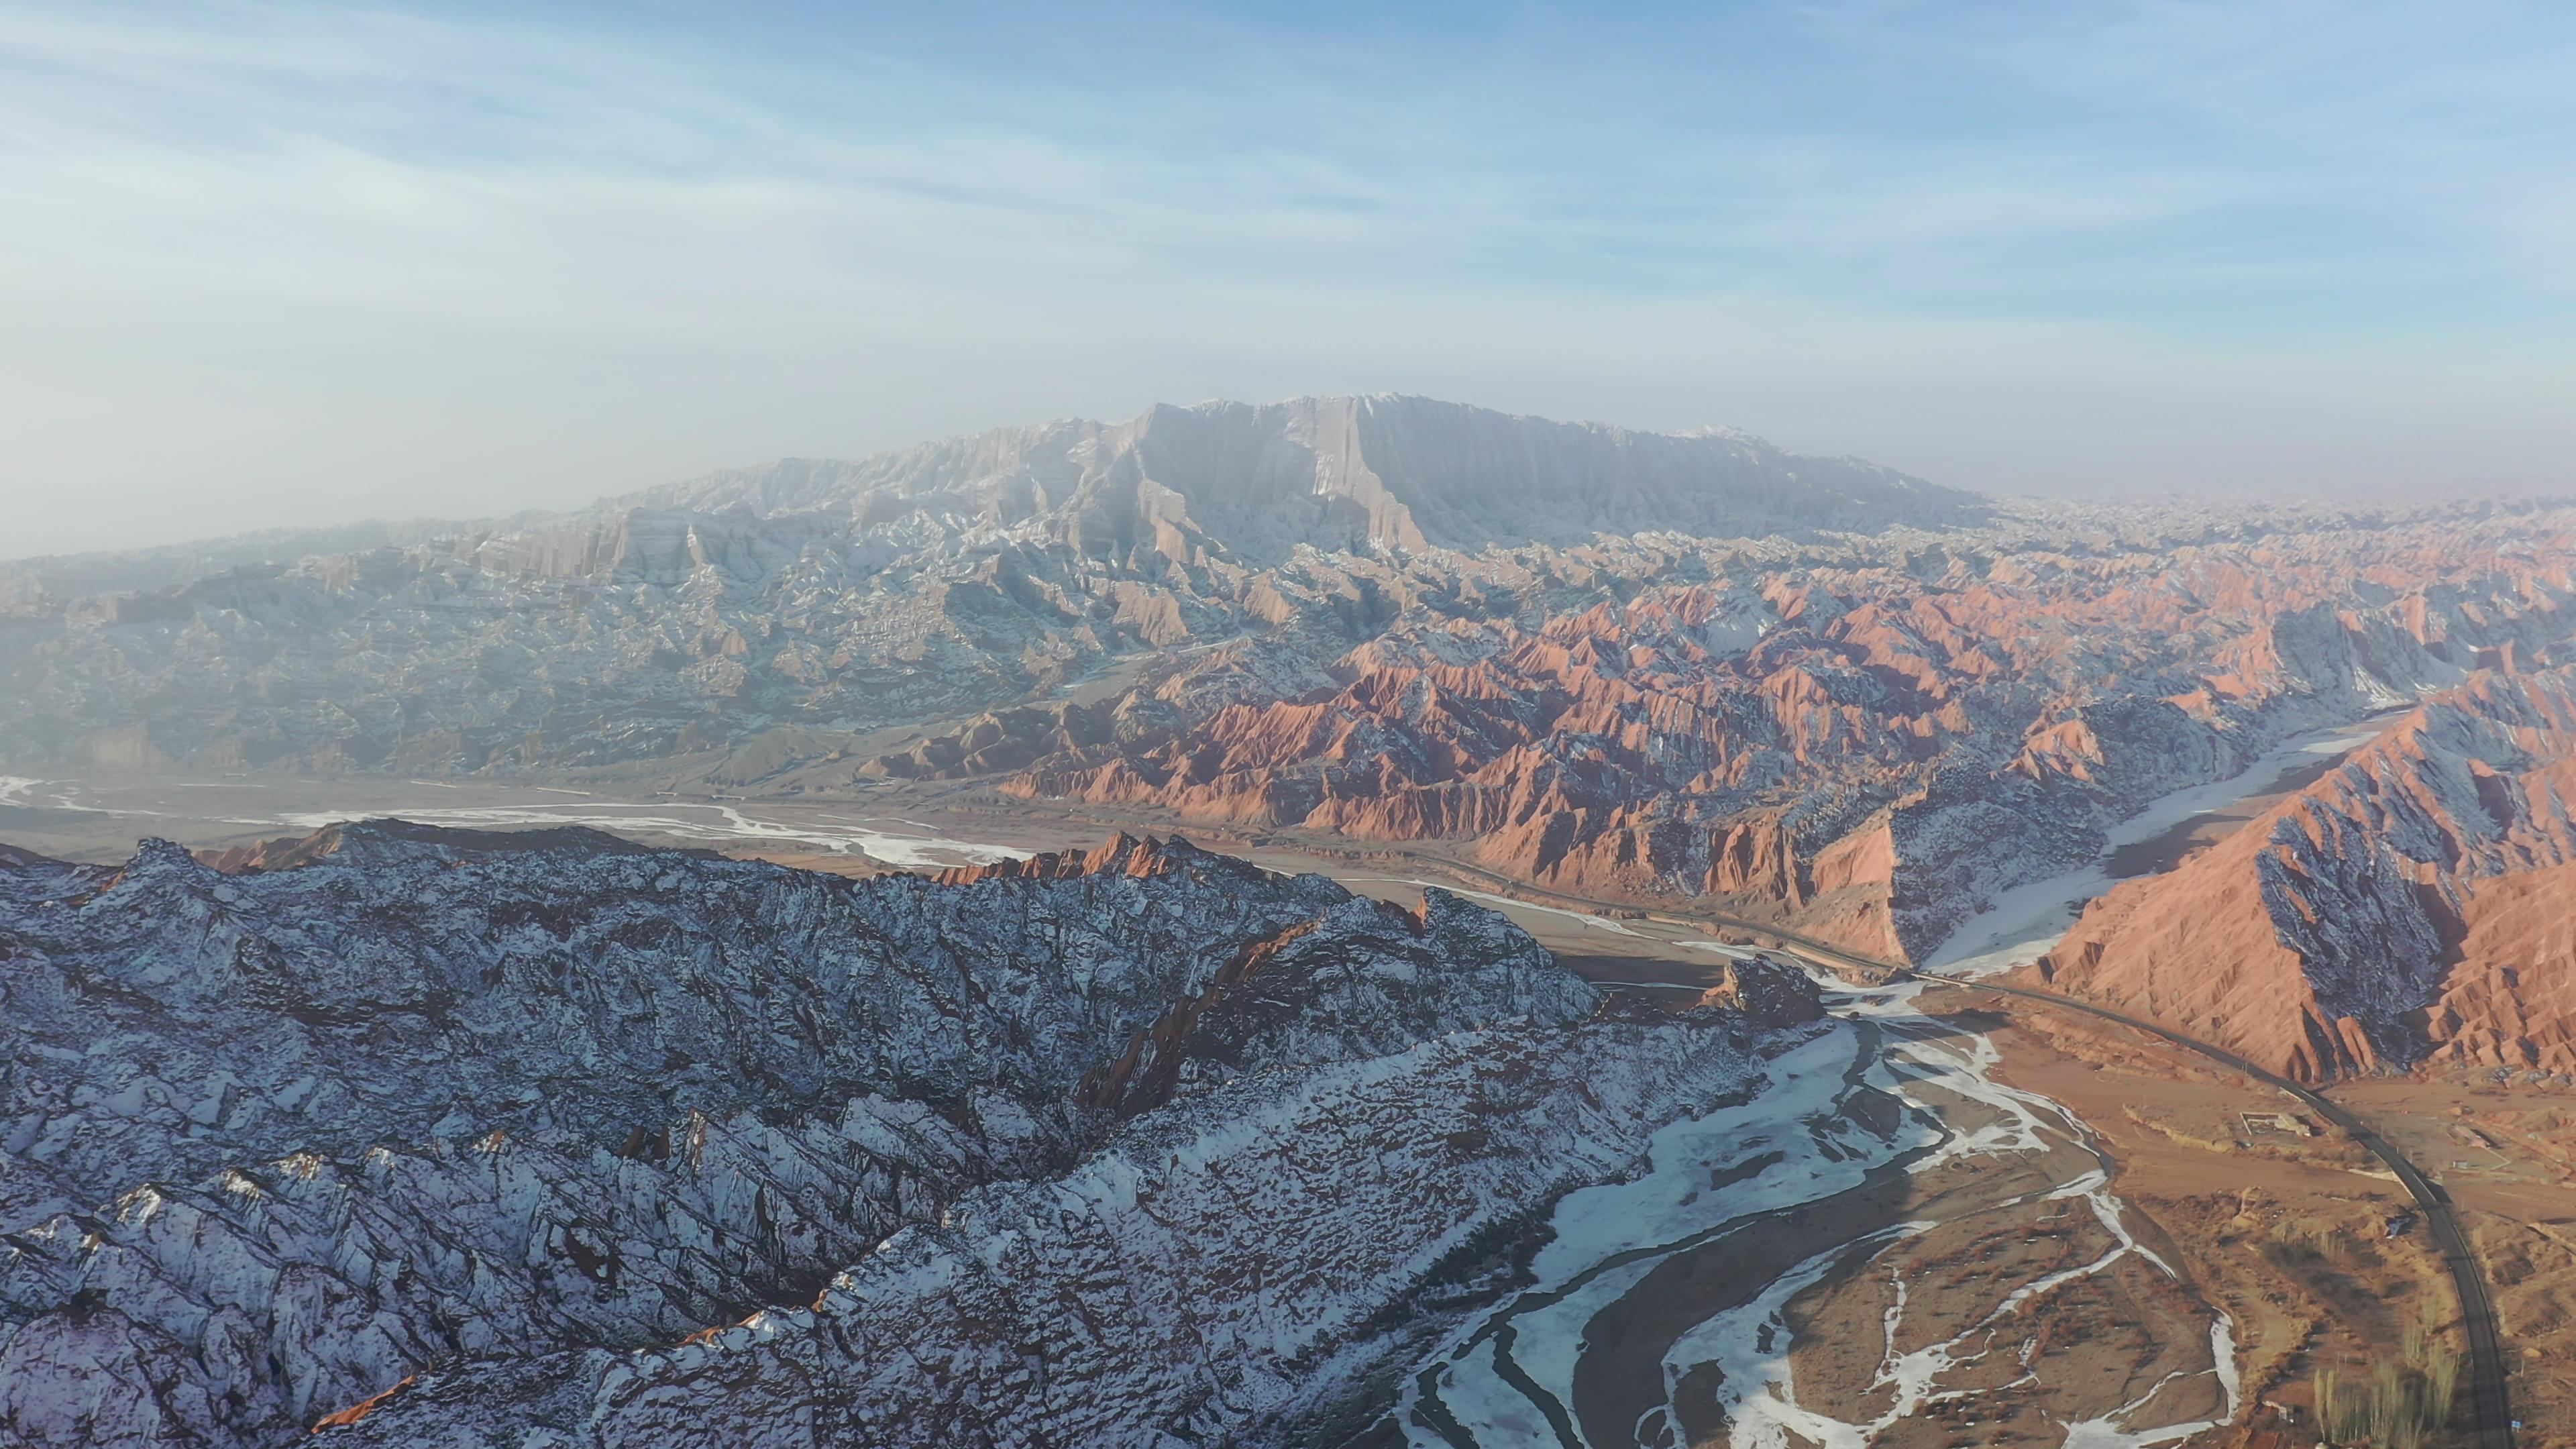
x=1661 y=1307
x=115 y=814
x=2027 y=920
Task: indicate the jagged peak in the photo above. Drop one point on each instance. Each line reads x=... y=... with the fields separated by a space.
x=392 y=838
x=155 y=856
x=1121 y=854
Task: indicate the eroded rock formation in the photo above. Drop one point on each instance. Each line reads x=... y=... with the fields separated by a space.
x=277 y=1138
x=1857 y=750
x=2398 y=910
x=1613 y=664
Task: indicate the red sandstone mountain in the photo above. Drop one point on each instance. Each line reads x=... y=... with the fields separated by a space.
x=2410 y=906
x=1614 y=664
x=1864 y=749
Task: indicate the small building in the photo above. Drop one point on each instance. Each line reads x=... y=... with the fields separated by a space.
x=2276 y=1124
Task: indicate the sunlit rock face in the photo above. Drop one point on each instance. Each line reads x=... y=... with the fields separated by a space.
x=275 y=1140
x=1864 y=747
x=2391 y=913
x=833 y=596
x=1613 y=664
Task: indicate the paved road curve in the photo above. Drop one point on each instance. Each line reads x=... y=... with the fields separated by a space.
x=2490 y=1403
x=2493 y=1410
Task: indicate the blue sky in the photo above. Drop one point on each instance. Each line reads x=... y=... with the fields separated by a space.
x=276 y=263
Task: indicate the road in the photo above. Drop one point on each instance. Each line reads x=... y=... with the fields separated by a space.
x=2491 y=1404
x=1511 y=889
x=2492 y=1409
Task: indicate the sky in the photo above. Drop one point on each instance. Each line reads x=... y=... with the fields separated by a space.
x=277 y=264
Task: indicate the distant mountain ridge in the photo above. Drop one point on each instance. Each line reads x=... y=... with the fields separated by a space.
x=1392 y=470
x=1349 y=472
x=918 y=585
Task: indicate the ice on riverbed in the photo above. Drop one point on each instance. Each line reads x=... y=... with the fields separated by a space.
x=905 y=844
x=2108 y=1432
x=1608 y=1237
x=2025 y=921
x=1507 y=1379
x=686 y=821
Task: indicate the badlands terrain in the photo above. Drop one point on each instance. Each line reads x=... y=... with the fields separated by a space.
x=744 y=1035
x=1617 y=665
x=2412 y=904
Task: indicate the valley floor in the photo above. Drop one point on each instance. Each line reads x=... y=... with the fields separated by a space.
x=1956 y=1220
x=1891 y=1246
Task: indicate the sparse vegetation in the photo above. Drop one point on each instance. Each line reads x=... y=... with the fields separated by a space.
x=2182 y=1132
x=2303 y=1241
x=2403 y=1405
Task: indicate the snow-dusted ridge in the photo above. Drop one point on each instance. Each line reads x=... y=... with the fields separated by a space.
x=510 y=1116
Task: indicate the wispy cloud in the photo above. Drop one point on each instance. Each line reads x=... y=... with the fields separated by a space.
x=569 y=250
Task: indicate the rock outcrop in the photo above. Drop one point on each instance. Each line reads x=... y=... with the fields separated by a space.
x=1771 y=992
x=1620 y=665
x=1846 y=748
x=2397 y=911
x=318 y=1137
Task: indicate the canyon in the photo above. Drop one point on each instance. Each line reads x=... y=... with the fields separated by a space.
x=653 y=974
x=1626 y=666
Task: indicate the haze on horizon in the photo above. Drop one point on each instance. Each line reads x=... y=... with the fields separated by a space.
x=278 y=264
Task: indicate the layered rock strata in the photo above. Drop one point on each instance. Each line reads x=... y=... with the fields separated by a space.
x=1612 y=664
x=2408 y=907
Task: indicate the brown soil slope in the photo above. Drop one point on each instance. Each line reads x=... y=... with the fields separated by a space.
x=2410 y=904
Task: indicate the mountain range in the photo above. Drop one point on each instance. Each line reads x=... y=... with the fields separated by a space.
x=548 y=1138
x=1616 y=664
x=542 y=1106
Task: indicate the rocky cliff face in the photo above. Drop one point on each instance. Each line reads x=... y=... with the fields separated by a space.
x=2393 y=912
x=1615 y=664
x=1345 y=473
x=842 y=596
x=1851 y=748
x=274 y=1141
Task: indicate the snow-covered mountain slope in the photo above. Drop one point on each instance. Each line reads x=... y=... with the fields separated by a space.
x=272 y=1142
x=916 y=585
x=1246 y=1267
